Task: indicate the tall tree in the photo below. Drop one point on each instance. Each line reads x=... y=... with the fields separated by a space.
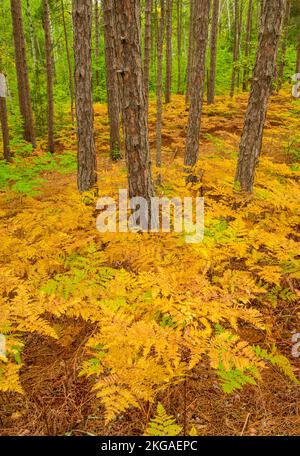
x=213 y=52
x=298 y=57
x=127 y=44
x=247 y=45
x=190 y=52
x=264 y=71
x=71 y=82
x=3 y=116
x=31 y=34
x=179 y=45
x=97 y=43
x=160 y=42
x=282 y=59
x=148 y=13
x=169 y=11
x=235 y=46
x=49 y=60
x=111 y=81
x=200 y=37
x=82 y=12
x=22 y=71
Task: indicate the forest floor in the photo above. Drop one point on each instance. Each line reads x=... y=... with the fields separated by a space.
x=45 y=224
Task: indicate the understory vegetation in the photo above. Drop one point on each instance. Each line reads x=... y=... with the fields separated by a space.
x=138 y=333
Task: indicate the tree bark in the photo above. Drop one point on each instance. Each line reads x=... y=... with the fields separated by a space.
x=247 y=45
x=31 y=34
x=169 y=10
x=213 y=52
x=82 y=25
x=298 y=57
x=97 y=43
x=190 y=52
x=49 y=59
x=200 y=37
x=71 y=83
x=160 y=41
x=148 y=12
x=179 y=45
x=285 y=34
x=111 y=81
x=22 y=71
x=264 y=71
x=235 y=47
x=3 y=117
x=127 y=44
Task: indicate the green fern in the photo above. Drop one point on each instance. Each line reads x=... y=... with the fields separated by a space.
x=162 y=424
x=278 y=360
x=235 y=378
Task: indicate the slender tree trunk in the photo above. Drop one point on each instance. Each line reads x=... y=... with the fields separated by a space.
x=251 y=141
x=240 y=27
x=97 y=43
x=160 y=41
x=31 y=33
x=169 y=10
x=48 y=52
x=148 y=13
x=200 y=37
x=22 y=71
x=127 y=44
x=247 y=45
x=190 y=52
x=71 y=83
x=155 y=37
x=298 y=57
x=213 y=52
x=282 y=61
x=179 y=45
x=111 y=81
x=235 y=47
x=3 y=117
x=82 y=12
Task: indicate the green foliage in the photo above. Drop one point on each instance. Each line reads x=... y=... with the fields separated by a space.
x=162 y=424
x=24 y=176
x=278 y=360
x=235 y=378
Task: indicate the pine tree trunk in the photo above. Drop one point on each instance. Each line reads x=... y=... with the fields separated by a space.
x=71 y=83
x=22 y=71
x=213 y=53
x=264 y=71
x=82 y=12
x=31 y=33
x=111 y=81
x=179 y=45
x=247 y=45
x=235 y=47
x=169 y=9
x=127 y=44
x=97 y=43
x=190 y=52
x=285 y=34
x=3 y=117
x=148 y=12
x=200 y=37
x=298 y=58
x=160 y=42
x=48 y=52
